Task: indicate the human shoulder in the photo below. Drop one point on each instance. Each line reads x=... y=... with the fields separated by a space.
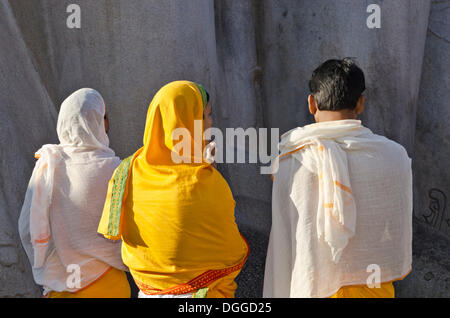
x=293 y=164
x=392 y=145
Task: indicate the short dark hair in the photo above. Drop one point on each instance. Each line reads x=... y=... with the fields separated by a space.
x=337 y=84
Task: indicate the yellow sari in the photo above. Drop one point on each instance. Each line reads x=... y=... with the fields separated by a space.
x=386 y=290
x=176 y=220
x=112 y=284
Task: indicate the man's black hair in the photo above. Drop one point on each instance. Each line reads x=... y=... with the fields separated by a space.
x=337 y=84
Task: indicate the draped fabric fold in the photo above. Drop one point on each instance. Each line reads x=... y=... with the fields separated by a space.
x=336 y=215
x=40 y=200
x=176 y=219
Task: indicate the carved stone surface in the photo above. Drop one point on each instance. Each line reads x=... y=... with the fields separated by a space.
x=255 y=58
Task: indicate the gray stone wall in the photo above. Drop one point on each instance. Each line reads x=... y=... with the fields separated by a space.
x=255 y=58
x=27 y=118
x=431 y=267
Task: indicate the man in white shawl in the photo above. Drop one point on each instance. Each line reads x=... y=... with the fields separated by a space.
x=63 y=205
x=342 y=199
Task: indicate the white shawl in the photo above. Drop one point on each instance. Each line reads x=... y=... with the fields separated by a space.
x=65 y=197
x=338 y=190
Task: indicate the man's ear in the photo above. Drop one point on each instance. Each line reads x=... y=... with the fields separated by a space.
x=312 y=105
x=360 y=105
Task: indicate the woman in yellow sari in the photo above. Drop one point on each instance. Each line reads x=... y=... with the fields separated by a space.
x=176 y=219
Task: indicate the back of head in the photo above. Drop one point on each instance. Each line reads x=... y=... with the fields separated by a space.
x=176 y=112
x=81 y=120
x=337 y=85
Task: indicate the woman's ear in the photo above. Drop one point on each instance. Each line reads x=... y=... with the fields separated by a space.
x=312 y=105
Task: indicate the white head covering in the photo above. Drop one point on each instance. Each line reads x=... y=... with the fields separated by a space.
x=65 y=197
x=81 y=122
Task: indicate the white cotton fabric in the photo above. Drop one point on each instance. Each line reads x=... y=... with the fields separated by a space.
x=340 y=204
x=65 y=197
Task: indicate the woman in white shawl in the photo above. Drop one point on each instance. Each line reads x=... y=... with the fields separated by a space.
x=63 y=204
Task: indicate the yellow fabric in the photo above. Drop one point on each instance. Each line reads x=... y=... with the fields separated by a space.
x=113 y=284
x=223 y=288
x=177 y=220
x=386 y=290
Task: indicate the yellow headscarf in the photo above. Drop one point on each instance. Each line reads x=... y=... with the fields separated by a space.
x=176 y=220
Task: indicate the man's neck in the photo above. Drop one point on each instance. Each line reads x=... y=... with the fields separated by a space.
x=335 y=115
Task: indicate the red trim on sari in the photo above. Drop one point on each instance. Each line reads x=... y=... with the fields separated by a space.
x=198 y=282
